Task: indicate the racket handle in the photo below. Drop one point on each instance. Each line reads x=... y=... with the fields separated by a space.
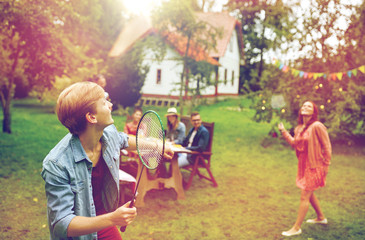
x=122 y=229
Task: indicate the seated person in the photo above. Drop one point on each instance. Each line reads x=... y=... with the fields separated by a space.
x=131 y=127
x=196 y=140
x=175 y=129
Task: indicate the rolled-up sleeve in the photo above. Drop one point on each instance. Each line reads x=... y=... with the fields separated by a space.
x=60 y=199
x=123 y=138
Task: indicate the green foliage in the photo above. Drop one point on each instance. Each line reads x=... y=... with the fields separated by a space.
x=126 y=76
x=266 y=26
x=341 y=102
x=42 y=41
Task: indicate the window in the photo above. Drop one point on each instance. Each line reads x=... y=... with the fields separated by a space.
x=232 y=78
x=225 y=76
x=158 y=77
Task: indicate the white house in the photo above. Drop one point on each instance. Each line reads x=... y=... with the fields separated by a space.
x=161 y=84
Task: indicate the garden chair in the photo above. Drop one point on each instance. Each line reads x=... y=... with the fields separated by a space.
x=202 y=161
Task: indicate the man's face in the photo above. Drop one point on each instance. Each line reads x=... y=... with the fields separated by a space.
x=103 y=112
x=196 y=121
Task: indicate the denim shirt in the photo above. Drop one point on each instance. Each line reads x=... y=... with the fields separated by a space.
x=67 y=175
x=178 y=134
x=200 y=141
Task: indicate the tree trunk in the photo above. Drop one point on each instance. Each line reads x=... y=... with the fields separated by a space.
x=182 y=84
x=7 y=117
x=261 y=65
x=7 y=92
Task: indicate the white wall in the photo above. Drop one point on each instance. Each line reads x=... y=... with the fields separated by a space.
x=231 y=62
x=171 y=70
x=170 y=74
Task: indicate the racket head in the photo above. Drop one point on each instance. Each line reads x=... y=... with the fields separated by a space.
x=150 y=140
x=277 y=101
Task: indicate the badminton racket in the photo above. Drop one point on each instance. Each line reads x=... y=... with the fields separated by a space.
x=150 y=143
x=277 y=101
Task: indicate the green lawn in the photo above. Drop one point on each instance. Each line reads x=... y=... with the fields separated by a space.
x=256 y=197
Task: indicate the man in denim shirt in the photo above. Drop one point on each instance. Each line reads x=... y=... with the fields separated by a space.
x=80 y=203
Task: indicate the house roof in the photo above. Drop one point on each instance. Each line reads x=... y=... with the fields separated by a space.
x=195 y=51
x=224 y=21
x=136 y=28
x=140 y=27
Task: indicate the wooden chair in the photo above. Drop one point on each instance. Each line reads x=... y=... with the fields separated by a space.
x=202 y=159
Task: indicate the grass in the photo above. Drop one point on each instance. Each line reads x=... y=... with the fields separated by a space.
x=256 y=197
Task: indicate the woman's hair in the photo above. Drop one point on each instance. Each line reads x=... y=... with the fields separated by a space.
x=75 y=102
x=313 y=118
x=174 y=125
x=137 y=109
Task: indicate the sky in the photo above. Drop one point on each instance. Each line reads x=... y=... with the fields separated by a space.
x=145 y=6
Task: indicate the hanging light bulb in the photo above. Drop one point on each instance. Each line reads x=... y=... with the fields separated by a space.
x=263 y=101
x=263 y=107
x=298 y=96
x=316 y=87
x=322 y=107
x=340 y=89
x=329 y=101
x=320 y=85
x=283 y=110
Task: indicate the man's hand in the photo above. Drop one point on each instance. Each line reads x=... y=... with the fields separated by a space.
x=124 y=215
x=168 y=152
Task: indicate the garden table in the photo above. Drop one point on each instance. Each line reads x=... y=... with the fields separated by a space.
x=149 y=181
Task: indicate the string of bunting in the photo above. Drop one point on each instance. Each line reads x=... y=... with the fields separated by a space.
x=308 y=75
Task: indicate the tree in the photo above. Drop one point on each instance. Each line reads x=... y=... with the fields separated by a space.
x=266 y=26
x=341 y=101
x=33 y=48
x=179 y=18
x=43 y=40
x=126 y=75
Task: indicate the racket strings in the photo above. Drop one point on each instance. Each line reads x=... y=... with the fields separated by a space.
x=150 y=144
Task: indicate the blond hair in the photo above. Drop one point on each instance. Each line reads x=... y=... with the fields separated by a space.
x=75 y=102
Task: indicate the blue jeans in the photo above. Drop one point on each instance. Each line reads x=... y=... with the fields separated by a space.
x=182 y=159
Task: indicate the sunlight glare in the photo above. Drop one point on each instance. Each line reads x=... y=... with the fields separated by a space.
x=141 y=7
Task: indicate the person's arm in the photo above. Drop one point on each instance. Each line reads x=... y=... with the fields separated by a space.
x=323 y=138
x=181 y=133
x=60 y=204
x=60 y=198
x=289 y=138
x=168 y=153
x=122 y=216
x=126 y=130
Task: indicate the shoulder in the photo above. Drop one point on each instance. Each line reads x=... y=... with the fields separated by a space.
x=112 y=133
x=60 y=157
x=203 y=129
x=181 y=125
x=317 y=125
x=109 y=130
